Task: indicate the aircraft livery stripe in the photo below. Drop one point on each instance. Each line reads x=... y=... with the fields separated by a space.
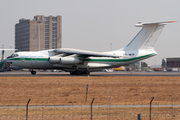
x=93 y=60
x=118 y=60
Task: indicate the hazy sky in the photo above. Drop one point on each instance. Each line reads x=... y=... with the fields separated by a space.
x=94 y=24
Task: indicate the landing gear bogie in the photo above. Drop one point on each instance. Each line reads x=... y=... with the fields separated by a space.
x=80 y=73
x=73 y=73
x=87 y=72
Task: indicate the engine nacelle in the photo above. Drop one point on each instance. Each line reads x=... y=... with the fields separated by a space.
x=54 y=60
x=70 y=60
x=65 y=60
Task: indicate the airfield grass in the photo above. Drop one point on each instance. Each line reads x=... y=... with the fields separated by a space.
x=106 y=90
x=71 y=91
x=85 y=114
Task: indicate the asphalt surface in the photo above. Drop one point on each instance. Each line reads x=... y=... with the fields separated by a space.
x=119 y=73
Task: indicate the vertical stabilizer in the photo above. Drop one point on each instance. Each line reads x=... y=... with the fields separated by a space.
x=147 y=36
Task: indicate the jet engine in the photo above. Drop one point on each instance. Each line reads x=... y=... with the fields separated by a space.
x=54 y=60
x=65 y=60
x=70 y=60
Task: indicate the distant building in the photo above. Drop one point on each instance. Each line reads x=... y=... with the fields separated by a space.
x=173 y=62
x=41 y=33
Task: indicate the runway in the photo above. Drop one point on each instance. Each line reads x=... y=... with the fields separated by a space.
x=55 y=74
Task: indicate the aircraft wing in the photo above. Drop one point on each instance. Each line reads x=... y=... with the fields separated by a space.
x=83 y=53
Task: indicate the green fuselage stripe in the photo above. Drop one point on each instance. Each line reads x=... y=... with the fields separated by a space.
x=119 y=60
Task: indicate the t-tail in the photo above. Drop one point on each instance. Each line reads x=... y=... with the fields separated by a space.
x=147 y=36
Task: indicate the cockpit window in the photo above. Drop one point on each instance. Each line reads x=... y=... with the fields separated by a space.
x=13 y=55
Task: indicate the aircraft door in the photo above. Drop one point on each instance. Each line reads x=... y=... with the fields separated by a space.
x=33 y=61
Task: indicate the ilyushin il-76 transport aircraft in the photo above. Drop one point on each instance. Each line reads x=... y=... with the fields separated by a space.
x=82 y=62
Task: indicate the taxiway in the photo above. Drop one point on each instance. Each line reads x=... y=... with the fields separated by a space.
x=55 y=74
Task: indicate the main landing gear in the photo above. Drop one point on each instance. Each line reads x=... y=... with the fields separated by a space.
x=33 y=72
x=80 y=73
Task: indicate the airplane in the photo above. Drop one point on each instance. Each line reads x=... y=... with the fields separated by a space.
x=82 y=62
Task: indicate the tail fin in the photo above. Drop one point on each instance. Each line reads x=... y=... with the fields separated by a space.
x=147 y=36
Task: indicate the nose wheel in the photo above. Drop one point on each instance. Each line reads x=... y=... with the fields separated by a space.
x=33 y=72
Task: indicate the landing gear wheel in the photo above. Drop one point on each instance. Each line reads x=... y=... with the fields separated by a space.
x=87 y=72
x=79 y=73
x=33 y=72
x=73 y=73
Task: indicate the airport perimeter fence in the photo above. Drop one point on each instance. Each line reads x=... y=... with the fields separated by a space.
x=99 y=111
x=106 y=106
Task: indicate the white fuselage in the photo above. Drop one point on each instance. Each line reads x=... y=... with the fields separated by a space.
x=41 y=60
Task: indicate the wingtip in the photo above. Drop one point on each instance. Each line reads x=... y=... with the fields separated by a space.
x=171 y=21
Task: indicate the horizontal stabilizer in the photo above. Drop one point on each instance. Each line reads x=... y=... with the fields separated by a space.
x=141 y=24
